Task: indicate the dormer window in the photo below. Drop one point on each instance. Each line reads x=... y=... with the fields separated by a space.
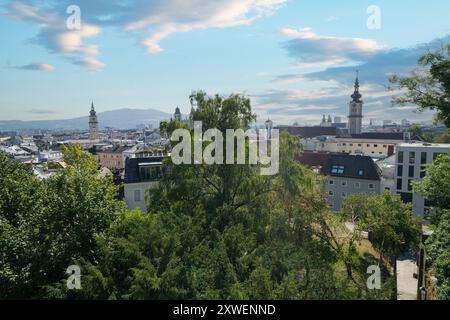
x=337 y=169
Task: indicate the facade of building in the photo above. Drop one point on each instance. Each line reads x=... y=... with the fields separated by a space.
x=345 y=175
x=112 y=158
x=355 y=111
x=411 y=161
x=374 y=144
x=93 y=124
x=141 y=175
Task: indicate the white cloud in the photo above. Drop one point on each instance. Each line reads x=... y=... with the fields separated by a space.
x=151 y=20
x=35 y=67
x=55 y=36
x=316 y=51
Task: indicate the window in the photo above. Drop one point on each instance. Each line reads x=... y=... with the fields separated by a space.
x=344 y=144
x=399 y=184
x=331 y=182
x=344 y=183
x=423 y=173
x=384 y=146
x=368 y=145
x=344 y=194
x=357 y=185
x=423 y=158
x=399 y=170
x=400 y=157
x=359 y=145
x=137 y=195
x=351 y=144
x=412 y=157
x=371 y=186
x=331 y=193
x=406 y=197
x=411 y=172
x=375 y=145
x=337 y=169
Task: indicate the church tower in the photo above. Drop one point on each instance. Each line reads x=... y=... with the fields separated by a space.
x=177 y=114
x=355 y=110
x=93 y=124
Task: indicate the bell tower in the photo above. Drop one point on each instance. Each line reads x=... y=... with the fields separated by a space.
x=355 y=110
x=93 y=124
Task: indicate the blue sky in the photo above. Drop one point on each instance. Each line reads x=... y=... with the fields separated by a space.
x=296 y=59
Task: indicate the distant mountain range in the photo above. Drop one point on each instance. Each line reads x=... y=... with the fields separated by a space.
x=120 y=119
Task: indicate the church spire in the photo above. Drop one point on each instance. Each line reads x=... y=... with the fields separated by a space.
x=356 y=96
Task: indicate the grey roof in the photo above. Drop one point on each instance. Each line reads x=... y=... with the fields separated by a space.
x=132 y=174
x=382 y=136
x=350 y=166
x=118 y=149
x=356 y=167
x=312 y=132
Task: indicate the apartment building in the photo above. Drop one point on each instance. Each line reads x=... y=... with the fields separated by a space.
x=141 y=175
x=112 y=158
x=373 y=144
x=345 y=175
x=411 y=162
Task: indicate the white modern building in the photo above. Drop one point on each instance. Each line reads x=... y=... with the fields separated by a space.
x=411 y=162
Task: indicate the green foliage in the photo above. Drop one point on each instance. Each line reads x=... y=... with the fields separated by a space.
x=429 y=87
x=223 y=232
x=46 y=225
x=387 y=219
x=415 y=130
x=434 y=186
x=211 y=231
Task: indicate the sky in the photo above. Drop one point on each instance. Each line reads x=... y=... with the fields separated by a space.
x=295 y=59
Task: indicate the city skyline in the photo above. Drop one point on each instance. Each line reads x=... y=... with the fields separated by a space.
x=295 y=60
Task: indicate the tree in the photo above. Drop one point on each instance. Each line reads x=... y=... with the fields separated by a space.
x=387 y=219
x=428 y=87
x=434 y=187
x=221 y=231
x=415 y=130
x=48 y=225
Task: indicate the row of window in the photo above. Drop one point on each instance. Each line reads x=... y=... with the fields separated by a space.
x=357 y=185
x=357 y=151
x=411 y=156
x=343 y=194
x=368 y=145
x=400 y=184
x=410 y=171
x=331 y=194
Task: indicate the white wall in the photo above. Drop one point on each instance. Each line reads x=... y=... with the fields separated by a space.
x=142 y=188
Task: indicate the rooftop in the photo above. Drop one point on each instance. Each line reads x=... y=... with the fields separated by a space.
x=425 y=145
x=312 y=132
x=342 y=165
